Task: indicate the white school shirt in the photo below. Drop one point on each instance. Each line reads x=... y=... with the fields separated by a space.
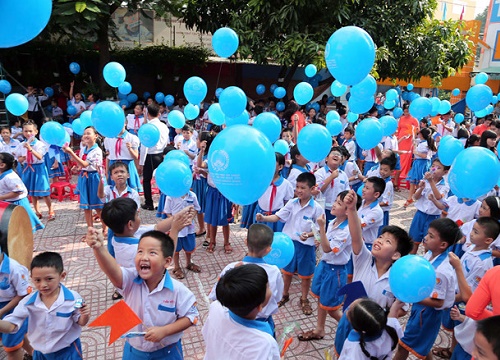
x=374 y=171
x=275 y=281
x=350 y=145
x=425 y=205
x=379 y=348
x=390 y=143
x=131 y=122
x=80 y=105
x=295 y=171
x=475 y=263
x=173 y=205
x=388 y=195
x=423 y=147
x=57 y=111
x=14 y=279
x=284 y=192
x=340 y=183
x=160 y=145
x=189 y=146
x=340 y=242
x=49 y=330
x=461 y=211
x=125 y=248
x=168 y=302
x=111 y=192
x=178 y=139
x=371 y=217
x=298 y=218
x=199 y=175
x=11 y=182
x=371 y=155
x=15 y=130
x=226 y=339
x=164 y=117
x=350 y=167
x=10 y=147
x=110 y=146
x=442 y=130
x=446 y=280
x=94 y=157
x=37 y=145
x=464 y=333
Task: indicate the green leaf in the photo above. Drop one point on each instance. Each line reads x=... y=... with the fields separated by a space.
x=80 y=6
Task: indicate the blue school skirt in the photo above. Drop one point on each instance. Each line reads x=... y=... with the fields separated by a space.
x=275 y=226
x=134 y=181
x=36 y=224
x=248 y=215
x=88 y=182
x=53 y=173
x=161 y=205
x=217 y=208
x=418 y=169
x=200 y=189
x=36 y=179
x=420 y=225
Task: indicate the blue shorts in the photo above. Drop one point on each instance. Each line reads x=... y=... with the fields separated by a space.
x=303 y=262
x=460 y=354
x=72 y=352
x=275 y=226
x=421 y=330
x=328 y=279
x=186 y=243
x=14 y=341
x=169 y=352
x=384 y=223
x=447 y=322
x=420 y=225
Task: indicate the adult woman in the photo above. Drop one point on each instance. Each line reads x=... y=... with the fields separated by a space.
x=407 y=128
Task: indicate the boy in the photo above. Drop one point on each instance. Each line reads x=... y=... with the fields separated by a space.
x=166 y=306
x=231 y=330
x=370 y=213
x=187 y=144
x=331 y=273
x=163 y=114
x=299 y=215
x=7 y=143
x=57 y=112
x=349 y=143
x=259 y=240
x=387 y=198
x=486 y=343
x=287 y=135
x=52 y=310
x=119 y=175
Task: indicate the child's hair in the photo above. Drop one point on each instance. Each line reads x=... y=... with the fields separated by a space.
x=167 y=244
x=242 y=289
x=30 y=122
x=280 y=159
x=208 y=137
x=426 y=135
x=337 y=149
x=445 y=167
x=493 y=203
x=117 y=164
x=5 y=128
x=187 y=128
x=490 y=328
x=387 y=161
x=369 y=319
x=118 y=212
x=260 y=237
x=447 y=229
x=471 y=140
x=153 y=109
x=345 y=153
x=405 y=243
x=490 y=226
x=307 y=178
x=8 y=159
x=378 y=184
x=294 y=151
x=349 y=129
x=286 y=130
x=488 y=134
x=48 y=259
x=168 y=149
x=462 y=134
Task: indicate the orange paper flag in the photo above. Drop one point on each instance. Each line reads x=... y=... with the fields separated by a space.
x=120 y=317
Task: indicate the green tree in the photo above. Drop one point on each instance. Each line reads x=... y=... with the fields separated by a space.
x=482 y=17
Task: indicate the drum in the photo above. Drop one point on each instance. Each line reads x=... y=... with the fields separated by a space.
x=16 y=236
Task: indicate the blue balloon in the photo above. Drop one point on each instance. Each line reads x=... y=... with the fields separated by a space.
x=5 y=87
x=218 y=92
x=225 y=42
x=195 y=90
x=132 y=98
x=448 y=151
x=281 y=146
x=380 y=109
x=169 y=100
x=239 y=120
x=389 y=104
x=360 y=190
x=159 y=97
x=77 y=127
x=436 y=104
x=409 y=87
x=303 y=93
x=311 y=70
x=334 y=127
x=412 y=279
x=125 y=88
x=455 y=92
x=445 y=107
x=420 y=107
x=269 y=124
x=233 y=101
x=397 y=112
x=149 y=135
x=414 y=96
x=177 y=155
x=122 y=96
x=108 y=118
x=176 y=119
x=282 y=251
x=330 y=100
x=369 y=133
x=146 y=94
x=174 y=178
x=67 y=125
x=316 y=107
x=406 y=96
x=260 y=89
x=365 y=89
x=360 y=105
x=314 y=142
x=389 y=125
x=72 y=110
x=124 y=102
x=352 y=117
x=17 y=104
x=279 y=92
x=481 y=78
x=86 y=118
x=474 y=172
x=53 y=133
x=191 y=111
x=481 y=113
x=242 y=170
x=74 y=68
x=391 y=94
x=272 y=88
x=280 y=106
x=114 y=73
x=332 y=115
x=458 y=118
x=478 y=97
x=494 y=99
x=48 y=91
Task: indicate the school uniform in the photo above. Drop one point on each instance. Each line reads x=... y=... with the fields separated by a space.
x=295 y=171
x=350 y=145
x=123 y=248
x=10 y=147
x=134 y=122
x=336 y=186
x=248 y=215
x=79 y=105
x=189 y=146
x=273 y=199
x=370 y=158
x=391 y=143
x=297 y=220
x=186 y=238
x=349 y=168
x=371 y=217
x=229 y=336
x=200 y=185
x=461 y=211
x=374 y=171
x=287 y=167
x=331 y=272
x=16 y=130
x=54 y=153
x=111 y=193
x=420 y=165
x=169 y=301
x=88 y=179
x=388 y=198
x=218 y=209
x=34 y=172
x=53 y=333
x=465 y=339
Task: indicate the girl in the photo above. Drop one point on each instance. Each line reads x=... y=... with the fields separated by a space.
x=299 y=165
x=88 y=181
x=200 y=178
x=463 y=136
x=13 y=190
x=473 y=140
x=489 y=140
x=423 y=154
x=135 y=120
x=34 y=172
x=375 y=333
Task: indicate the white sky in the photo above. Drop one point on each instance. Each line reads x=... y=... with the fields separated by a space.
x=480 y=5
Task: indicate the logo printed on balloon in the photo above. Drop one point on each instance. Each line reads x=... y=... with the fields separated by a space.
x=220 y=160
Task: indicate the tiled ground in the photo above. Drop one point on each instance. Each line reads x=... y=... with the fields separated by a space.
x=63 y=235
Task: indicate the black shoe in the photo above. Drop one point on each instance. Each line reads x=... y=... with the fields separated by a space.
x=148 y=207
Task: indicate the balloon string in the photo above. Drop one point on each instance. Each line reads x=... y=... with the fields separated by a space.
x=218 y=76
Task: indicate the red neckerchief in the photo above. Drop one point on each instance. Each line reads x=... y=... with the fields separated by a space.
x=333 y=180
x=273 y=196
x=123 y=196
x=137 y=123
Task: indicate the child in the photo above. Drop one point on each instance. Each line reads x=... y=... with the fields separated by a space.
x=165 y=306
x=422 y=328
x=76 y=101
x=135 y=120
x=486 y=343
x=13 y=190
x=187 y=145
x=287 y=135
x=433 y=188
x=371 y=158
x=200 y=178
x=375 y=332
x=370 y=213
x=53 y=308
x=299 y=165
x=387 y=198
x=163 y=116
x=34 y=172
x=259 y=240
x=299 y=215
x=9 y=145
x=349 y=142
x=119 y=176
x=331 y=273
x=16 y=129
x=57 y=112
x=231 y=330
x=331 y=180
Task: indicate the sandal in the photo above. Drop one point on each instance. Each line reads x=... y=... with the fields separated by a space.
x=116 y=296
x=194 y=268
x=200 y=234
x=408 y=203
x=309 y=335
x=443 y=353
x=228 y=249
x=206 y=243
x=306 y=306
x=52 y=216
x=284 y=300
x=178 y=273
x=211 y=248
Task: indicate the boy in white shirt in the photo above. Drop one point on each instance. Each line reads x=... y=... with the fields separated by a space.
x=187 y=144
x=370 y=213
x=387 y=198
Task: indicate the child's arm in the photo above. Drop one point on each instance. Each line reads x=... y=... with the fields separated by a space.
x=495 y=253
x=354 y=222
x=177 y=222
x=267 y=218
x=432 y=183
x=421 y=187
x=132 y=151
x=7 y=327
x=328 y=180
x=465 y=291
x=10 y=305
x=396 y=309
x=157 y=333
x=431 y=302
x=79 y=161
x=436 y=202
x=84 y=315
x=325 y=244
x=9 y=195
x=456 y=315
x=35 y=153
x=100 y=190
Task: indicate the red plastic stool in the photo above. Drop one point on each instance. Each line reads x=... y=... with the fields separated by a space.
x=72 y=195
x=59 y=190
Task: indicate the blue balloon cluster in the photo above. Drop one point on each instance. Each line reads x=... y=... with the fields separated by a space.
x=72 y=110
x=132 y=98
x=332 y=115
x=478 y=97
x=481 y=78
x=412 y=279
x=282 y=250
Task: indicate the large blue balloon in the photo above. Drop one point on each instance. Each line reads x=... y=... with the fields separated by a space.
x=114 y=73
x=281 y=146
x=17 y=104
x=420 y=107
x=448 y=151
x=48 y=91
x=303 y=93
x=389 y=104
x=412 y=279
x=311 y=70
x=233 y=101
x=369 y=133
x=391 y=94
x=159 y=97
x=225 y=42
x=260 y=89
x=352 y=117
x=86 y=118
x=397 y=112
x=269 y=124
x=445 y=107
x=478 y=97
x=241 y=162
x=239 y=120
x=169 y=100
x=149 y=135
x=108 y=118
x=314 y=142
x=77 y=127
x=350 y=54
x=279 y=92
x=125 y=88
x=282 y=250
x=191 y=111
x=5 y=87
x=389 y=125
x=360 y=105
x=21 y=21
x=334 y=127
x=176 y=119
x=481 y=78
x=365 y=89
x=216 y=115
x=337 y=88
x=174 y=178
x=332 y=115
x=177 y=155
x=53 y=133
x=74 y=67
x=124 y=102
x=195 y=90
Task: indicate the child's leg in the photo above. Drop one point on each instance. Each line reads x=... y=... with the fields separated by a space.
x=227 y=245
x=212 y=231
x=287 y=281
x=401 y=353
x=16 y=354
x=201 y=224
x=34 y=199
x=190 y=265
x=48 y=202
x=88 y=217
x=178 y=273
x=27 y=345
x=305 y=286
x=415 y=248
